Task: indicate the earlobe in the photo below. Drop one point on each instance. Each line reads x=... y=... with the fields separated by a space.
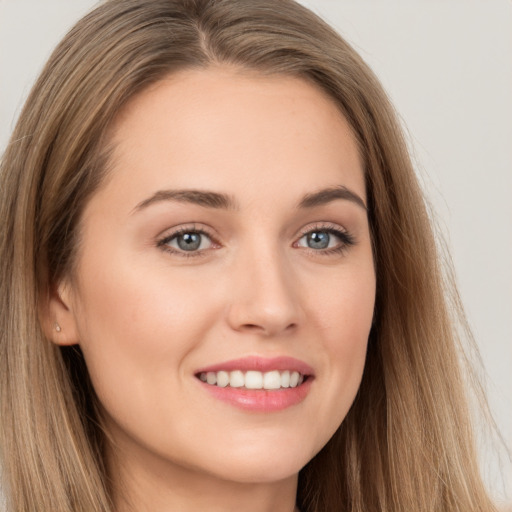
x=58 y=318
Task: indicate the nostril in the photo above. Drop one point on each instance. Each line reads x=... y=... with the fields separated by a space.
x=266 y=329
x=251 y=328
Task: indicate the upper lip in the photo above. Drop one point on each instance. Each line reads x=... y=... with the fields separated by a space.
x=261 y=364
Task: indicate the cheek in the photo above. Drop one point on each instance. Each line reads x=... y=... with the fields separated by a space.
x=137 y=326
x=344 y=306
x=344 y=313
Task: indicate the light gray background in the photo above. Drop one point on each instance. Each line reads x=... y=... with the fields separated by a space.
x=447 y=65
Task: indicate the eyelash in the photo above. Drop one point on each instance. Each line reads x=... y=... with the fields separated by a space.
x=182 y=231
x=347 y=240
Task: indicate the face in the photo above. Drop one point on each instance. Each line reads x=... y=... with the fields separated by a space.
x=225 y=286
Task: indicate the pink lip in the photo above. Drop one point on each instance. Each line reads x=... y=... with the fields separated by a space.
x=260 y=400
x=260 y=364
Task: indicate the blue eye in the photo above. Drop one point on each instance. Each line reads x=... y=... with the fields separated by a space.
x=318 y=240
x=322 y=239
x=188 y=241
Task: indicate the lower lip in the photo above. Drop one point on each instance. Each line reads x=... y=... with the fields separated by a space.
x=261 y=400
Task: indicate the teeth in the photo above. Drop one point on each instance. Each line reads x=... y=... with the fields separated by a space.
x=294 y=379
x=236 y=379
x=272 y=380
x=222 y=379
x=253 y=379
x=285 y=379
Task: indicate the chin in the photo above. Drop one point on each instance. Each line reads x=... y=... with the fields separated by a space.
x=262 y=465
x=261 y=471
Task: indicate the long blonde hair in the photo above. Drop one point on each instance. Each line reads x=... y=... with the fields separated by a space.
x=405 y=445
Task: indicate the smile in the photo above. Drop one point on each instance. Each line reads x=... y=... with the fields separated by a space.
x=272 y=380
x=258 y=384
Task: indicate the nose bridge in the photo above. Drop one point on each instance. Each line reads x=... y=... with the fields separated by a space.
x=264 y=297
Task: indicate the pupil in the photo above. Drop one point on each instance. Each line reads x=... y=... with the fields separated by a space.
x=189 y=241
x=318 y=240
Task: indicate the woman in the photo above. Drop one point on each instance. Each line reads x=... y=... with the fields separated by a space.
x=220 y=283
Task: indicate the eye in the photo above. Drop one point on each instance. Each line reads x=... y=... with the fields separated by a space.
x=318 y=240
x=187 y=241
x=326 y=240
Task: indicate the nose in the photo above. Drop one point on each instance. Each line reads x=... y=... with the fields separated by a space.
x=264 y=298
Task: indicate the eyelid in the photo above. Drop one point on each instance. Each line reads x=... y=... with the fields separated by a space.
x=347 y=239
x=172 y=233
x=323 y=226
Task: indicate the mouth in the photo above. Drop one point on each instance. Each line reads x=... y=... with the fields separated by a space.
x=272 y=380
x=258 y=384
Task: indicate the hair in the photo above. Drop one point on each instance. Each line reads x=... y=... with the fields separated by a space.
x=406 y=443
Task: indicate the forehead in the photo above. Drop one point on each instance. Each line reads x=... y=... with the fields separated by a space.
x=217 y=128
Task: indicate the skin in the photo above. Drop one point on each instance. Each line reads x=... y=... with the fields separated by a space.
x=147 y=317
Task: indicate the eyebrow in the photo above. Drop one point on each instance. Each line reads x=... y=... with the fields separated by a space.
x=330 y=194
x=217 y=200
x=200 y=197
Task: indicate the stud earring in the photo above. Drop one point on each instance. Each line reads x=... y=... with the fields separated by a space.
x=57 y=327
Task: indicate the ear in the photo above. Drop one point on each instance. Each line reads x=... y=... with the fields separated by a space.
x=58 y=318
